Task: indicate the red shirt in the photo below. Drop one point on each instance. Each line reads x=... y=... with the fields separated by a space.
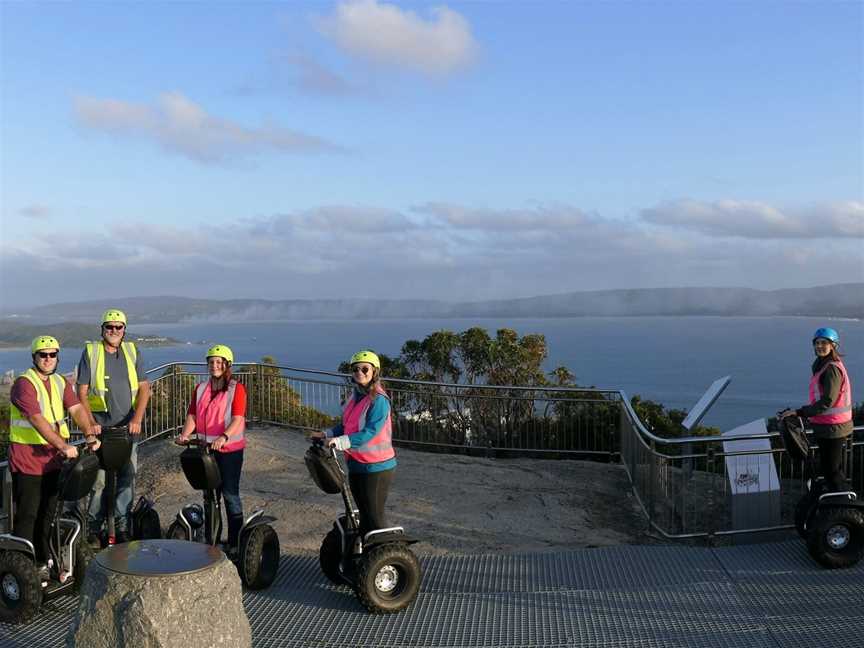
x=36 y=459
x=238 y=405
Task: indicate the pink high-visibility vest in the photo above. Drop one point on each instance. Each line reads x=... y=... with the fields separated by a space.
x=841 y=410
x=379 y=447
x=213 y=415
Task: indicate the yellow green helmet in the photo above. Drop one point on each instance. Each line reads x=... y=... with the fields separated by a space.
x=113 y=315
x=221 y=351
x=366 y=356
x=44 y=342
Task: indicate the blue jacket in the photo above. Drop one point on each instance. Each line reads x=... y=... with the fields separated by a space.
x=375 y=418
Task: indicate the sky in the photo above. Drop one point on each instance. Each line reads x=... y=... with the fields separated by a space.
x=456 y=151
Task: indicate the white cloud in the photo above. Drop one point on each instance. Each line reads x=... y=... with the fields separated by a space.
x=438 y=250
x=537 y=219
x=35 y=212
x=181 y=126
x=760 y=220
x=384 y=33
x=315 y=78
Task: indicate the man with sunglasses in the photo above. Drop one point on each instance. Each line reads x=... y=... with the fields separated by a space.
x=39 y=441
x=114 y=391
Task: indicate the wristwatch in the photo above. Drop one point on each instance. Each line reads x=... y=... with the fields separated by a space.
x=227 y=438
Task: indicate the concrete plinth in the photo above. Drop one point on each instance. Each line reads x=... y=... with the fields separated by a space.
x=161 y=594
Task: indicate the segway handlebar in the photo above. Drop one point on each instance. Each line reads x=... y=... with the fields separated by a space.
x=197 y=442
x=322 y=443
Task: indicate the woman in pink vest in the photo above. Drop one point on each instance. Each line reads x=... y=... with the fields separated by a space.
x=830 y=407
x=217 y=413
x=365 y=435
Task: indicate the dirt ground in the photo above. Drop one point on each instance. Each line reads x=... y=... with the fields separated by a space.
x=452 y=503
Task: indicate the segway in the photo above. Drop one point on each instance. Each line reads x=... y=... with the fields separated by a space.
x=380 y=567
x=114 y=454
x=832 y=522
x=257 y=552
x=23 y=584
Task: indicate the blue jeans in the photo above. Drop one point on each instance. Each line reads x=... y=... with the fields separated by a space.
x=230 y=464
x=122 y=504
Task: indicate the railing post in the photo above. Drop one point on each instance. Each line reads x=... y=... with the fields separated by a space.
x=652 y=482
x=712 y=514
x=259 y=378
x=172 y=404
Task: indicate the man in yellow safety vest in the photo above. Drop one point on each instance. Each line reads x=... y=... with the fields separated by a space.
x=114 y=391
x=39 y=441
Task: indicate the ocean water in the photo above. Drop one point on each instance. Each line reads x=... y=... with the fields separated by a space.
x=671 y=360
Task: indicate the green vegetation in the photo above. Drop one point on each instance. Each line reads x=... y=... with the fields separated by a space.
x=14 y=334
x=271 y=398
x=476 y=415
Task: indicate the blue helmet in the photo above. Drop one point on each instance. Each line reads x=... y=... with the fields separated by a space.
x=827 y=334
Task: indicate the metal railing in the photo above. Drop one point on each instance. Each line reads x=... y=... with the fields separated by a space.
x=684 y=487
x=682 y=484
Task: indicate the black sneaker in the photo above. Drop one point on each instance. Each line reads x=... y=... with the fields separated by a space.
x=120 y=536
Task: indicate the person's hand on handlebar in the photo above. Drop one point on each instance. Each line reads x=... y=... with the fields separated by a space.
x=786 y=413
x=318 y=434
x=69 y=451
x=92 y=442
x=182 y=440
x=340 y=443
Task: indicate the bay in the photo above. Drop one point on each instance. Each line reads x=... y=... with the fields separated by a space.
x=671 y=360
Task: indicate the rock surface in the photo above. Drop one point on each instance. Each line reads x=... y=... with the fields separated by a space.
x=201 y=609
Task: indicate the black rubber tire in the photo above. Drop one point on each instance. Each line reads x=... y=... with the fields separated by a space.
x=329 y=556
x=28 y=599
x=802 y=511
x=259 y=557
x=176 y=531
x=398 y=560
x=826 y=523
x=83 y=555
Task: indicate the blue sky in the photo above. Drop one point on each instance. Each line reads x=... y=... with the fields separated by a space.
x=450 y=151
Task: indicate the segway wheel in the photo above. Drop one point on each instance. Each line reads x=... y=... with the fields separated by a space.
x=83 y=556
x=388 y=579
x=836 y=539
x=20 y=588
x=176 y=532
x=803 y=511
x=259 y=557
x=330 y=555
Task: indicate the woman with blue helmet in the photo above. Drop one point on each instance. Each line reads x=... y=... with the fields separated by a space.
x=830 y=408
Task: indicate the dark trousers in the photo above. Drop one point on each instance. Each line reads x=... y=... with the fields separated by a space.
x=370 y=492
x=230 y=464
x=35 y=504
x=831 y=462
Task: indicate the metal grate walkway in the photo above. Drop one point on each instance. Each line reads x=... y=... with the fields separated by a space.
x=753 y=596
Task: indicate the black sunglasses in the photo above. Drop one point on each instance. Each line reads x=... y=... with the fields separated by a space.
x=113 y=327
x=363 y=370
x=47 y=354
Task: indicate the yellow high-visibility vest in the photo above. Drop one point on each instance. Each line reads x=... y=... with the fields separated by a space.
x=20 y=428
x=97 y=396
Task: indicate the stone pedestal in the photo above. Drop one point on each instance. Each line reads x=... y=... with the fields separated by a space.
x=161 y=594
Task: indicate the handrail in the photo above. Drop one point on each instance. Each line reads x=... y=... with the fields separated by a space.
x=680 y=483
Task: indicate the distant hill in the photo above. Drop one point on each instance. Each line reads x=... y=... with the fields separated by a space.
x=20 y=333
x=839 y=300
